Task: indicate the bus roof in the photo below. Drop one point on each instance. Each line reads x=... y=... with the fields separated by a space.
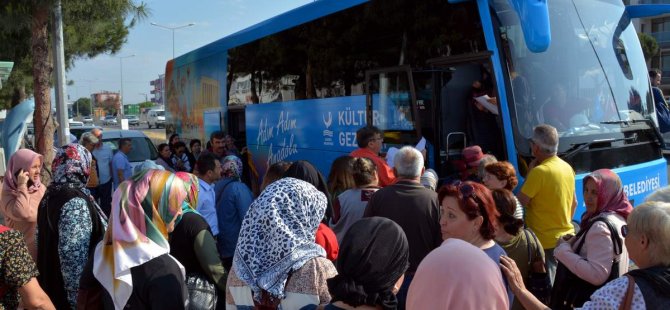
x=534 y=18
x=297 y=16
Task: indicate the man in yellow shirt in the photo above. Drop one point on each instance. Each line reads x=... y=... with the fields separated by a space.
x=548 y=193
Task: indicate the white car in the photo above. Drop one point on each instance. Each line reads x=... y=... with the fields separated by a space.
x=110 y=120
x=156 y=118
x=143 y=148
x=88 y=120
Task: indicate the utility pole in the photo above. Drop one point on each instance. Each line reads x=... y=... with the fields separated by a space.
x=59 y=70
x=173 y=29
x=121 y=93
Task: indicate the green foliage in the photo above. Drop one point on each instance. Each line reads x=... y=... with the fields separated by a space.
x=90 y=28
x=83 y=106
x=649 y=45
x=146 y=104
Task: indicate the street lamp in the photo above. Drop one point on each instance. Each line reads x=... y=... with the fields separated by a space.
x=121 y=93
x=146 y=98
x=173 y=29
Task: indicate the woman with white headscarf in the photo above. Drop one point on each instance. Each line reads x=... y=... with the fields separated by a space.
x=276 y=261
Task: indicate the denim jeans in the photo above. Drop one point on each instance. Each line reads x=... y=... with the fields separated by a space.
x=550 y=263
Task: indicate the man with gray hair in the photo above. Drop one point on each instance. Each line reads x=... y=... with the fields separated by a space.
x=90 y=141
x=548 y=193
x=413 y=207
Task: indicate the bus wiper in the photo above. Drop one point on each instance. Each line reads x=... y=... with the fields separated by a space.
x=578 y=147
x=659 y=137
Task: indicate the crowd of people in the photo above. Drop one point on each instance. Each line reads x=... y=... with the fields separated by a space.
x=189 y=231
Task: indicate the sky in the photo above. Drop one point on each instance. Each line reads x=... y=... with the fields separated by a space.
x=152 y=46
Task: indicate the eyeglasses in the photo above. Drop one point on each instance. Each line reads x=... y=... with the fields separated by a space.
x=624 y=231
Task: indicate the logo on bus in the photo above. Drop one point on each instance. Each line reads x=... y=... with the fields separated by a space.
x=327 y=133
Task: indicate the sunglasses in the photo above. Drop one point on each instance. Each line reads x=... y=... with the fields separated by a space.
x=624 y=231
x=468 y=191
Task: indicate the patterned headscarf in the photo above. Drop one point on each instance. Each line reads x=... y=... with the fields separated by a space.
x=277 y=235
x=611 y=197
x=72 y=166
x=231 y=167
x=141 y=210
x=22 y=159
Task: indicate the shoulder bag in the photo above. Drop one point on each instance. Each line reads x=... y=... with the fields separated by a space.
x=538 y=281
x=570 y=291
x=202 y=294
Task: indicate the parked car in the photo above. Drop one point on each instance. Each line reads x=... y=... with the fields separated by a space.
x=156 y=118
x=110 y=120
x=76 y=124
x=78 y=131
x=143 y=148
x=88 y=120
x=133 y=120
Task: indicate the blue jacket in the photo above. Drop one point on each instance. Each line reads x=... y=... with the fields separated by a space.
x=662 y=111
x=233 y=199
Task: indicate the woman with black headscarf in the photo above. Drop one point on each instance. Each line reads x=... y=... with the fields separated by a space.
x=371 y=267
x=325 y=237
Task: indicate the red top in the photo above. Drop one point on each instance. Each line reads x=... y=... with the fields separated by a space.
x=384 y=172
x=325 y=237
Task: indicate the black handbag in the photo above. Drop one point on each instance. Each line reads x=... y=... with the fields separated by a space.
x=570 y=291
x=202 y=294
x=538 y=281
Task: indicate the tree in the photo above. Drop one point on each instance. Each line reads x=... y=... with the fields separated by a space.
x=649 y=46
x=146 y=104
x=90 y=28
x=83 y=106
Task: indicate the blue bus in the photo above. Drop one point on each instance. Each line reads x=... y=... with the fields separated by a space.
x=457 y=73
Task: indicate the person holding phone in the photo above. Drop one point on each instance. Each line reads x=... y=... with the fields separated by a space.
x=22 y=192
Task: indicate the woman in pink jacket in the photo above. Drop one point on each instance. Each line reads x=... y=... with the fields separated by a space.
x=22 y=192
x=591 y=254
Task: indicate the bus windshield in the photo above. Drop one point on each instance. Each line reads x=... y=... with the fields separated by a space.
x=591 y=79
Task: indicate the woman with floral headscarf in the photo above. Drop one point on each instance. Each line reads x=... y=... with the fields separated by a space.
x=276 y=260
x=69 y=226
x=132 y=262
x=22 y=192
x=233 y=199
x=594 y=260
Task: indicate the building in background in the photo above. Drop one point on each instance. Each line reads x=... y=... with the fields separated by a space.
x=659 y=28
x=158 y=90
x=106 y=103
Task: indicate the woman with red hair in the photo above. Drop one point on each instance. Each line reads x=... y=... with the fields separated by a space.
x=469 y=213
x=502 y=175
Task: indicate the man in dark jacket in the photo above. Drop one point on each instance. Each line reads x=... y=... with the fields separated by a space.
x=413 y=207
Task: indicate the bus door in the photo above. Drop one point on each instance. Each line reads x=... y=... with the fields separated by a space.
x=402 y=103
x=455 y=120
x=391 y=105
